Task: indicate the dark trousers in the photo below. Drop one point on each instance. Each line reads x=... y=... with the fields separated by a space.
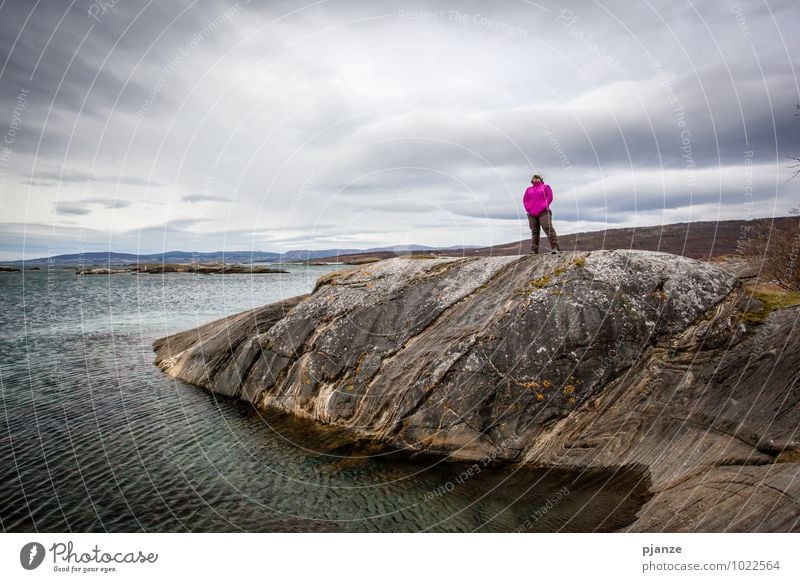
x=545 y=221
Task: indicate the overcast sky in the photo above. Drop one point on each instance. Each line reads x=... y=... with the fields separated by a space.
x=142 y=126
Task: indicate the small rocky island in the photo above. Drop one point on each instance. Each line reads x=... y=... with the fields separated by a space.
x=202 y=269
x=608 y=360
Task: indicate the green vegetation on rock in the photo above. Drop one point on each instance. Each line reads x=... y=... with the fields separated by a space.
x=770 y=301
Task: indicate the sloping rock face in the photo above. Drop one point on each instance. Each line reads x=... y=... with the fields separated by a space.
x=584 y=360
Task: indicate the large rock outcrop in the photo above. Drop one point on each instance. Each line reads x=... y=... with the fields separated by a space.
x=626 y=359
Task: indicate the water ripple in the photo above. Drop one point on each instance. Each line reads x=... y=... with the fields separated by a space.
x=94 y=438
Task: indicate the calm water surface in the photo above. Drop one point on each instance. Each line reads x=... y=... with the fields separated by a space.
x=94 y=438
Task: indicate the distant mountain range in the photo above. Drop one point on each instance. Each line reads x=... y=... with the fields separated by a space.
x=180 y=257
x=699 y=240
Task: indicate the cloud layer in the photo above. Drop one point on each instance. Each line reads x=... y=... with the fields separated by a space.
x=270 y=126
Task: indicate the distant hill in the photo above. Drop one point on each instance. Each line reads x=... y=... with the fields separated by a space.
x=697 y=240
x=109 y=258
x=181 y=257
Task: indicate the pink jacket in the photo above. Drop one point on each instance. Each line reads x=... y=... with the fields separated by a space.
x=537 y=199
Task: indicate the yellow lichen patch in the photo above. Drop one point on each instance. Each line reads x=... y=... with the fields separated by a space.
x=556 y=292
x=358 y=362
x=771 y=300
x=530 y=385
x=547 y=383
x=572 y=400
x=540 y=282
x=579 y=262
x=569 y=389
x=350 y=387
x=539 y=396
x=560 y=270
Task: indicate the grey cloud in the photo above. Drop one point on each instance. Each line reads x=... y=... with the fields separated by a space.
x=40 y=183
x=417 y=207
x=71 y=209
x=70 y=176
x=110 y=203
x=200 y=197
x=180 y=223
x=552 y=137
x=82 y=207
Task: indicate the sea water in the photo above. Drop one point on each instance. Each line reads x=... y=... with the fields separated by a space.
x=95 y=438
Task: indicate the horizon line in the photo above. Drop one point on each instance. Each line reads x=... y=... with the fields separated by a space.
x=428 y=247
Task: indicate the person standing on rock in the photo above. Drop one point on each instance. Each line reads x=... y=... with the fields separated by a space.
x=537 y=200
